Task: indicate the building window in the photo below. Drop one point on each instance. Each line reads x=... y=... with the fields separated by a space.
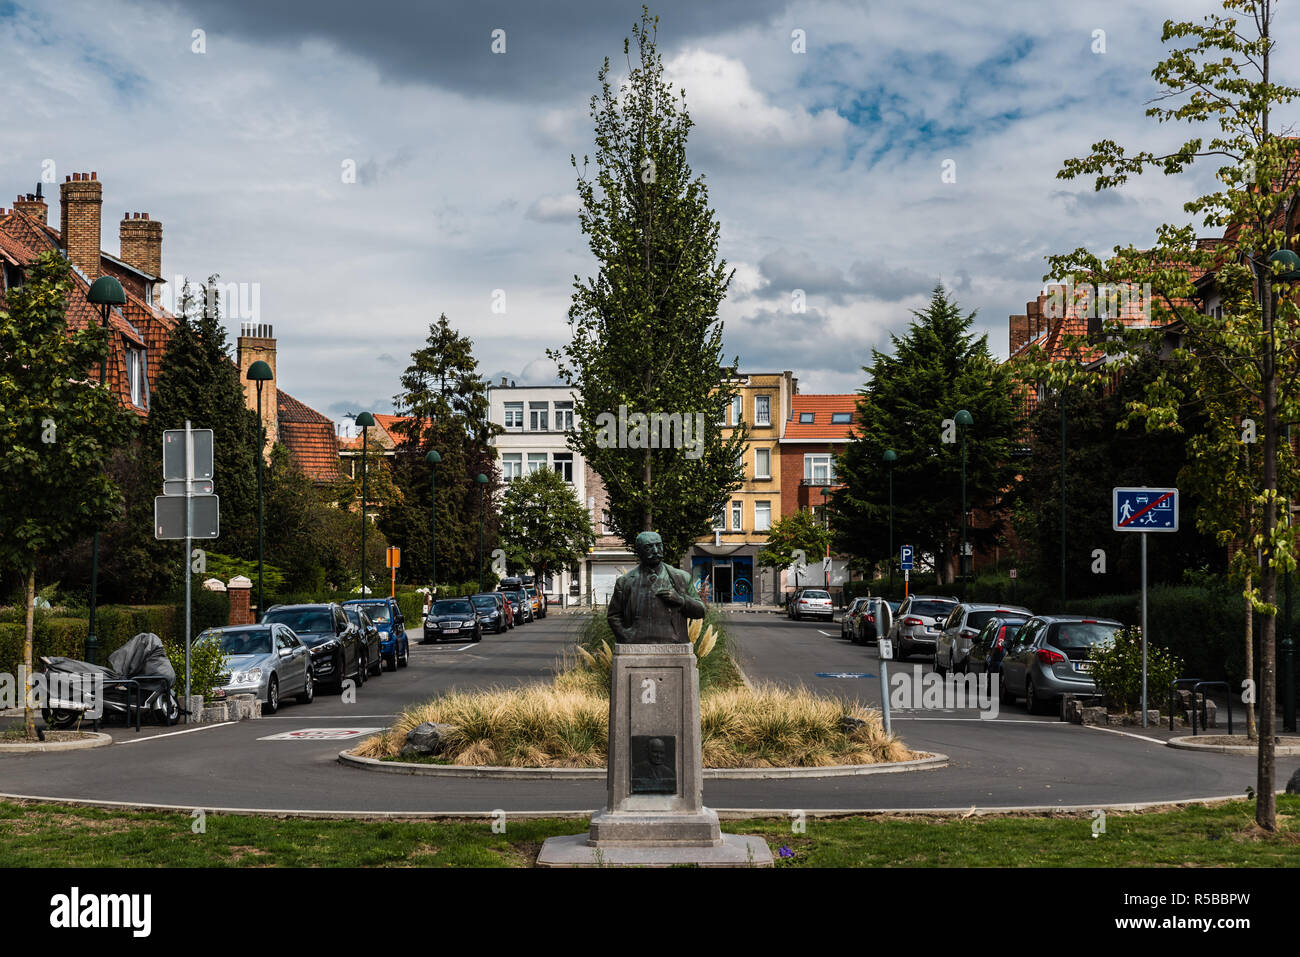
x=563 y=465
x=818 y=470
x=564 y=416
x=134 y=377
x=514 y=415
x=548 y=582
x=807 y=418
x=605 y=527
x=762 y=410
x=740 y=462
x=537 y=415
x=737 y=516
x=737 y=409
x=720 y=520
x=762 y=463
x=762 y=516
x=512 y=466
x=536 y=461
x=841 y=418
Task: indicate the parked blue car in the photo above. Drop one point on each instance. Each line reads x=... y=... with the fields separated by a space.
x=387 y=617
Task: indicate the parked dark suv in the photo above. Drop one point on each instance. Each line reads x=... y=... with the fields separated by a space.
x=1051 y=656
x=337 y=651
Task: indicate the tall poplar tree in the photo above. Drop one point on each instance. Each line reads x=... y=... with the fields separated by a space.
x=646 y=337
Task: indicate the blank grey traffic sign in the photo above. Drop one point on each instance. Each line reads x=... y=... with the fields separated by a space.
x=169 y=516
x=174 y=454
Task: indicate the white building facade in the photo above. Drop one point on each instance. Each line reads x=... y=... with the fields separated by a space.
x=535 y=420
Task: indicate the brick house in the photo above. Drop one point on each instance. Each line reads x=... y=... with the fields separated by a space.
x=142 y=328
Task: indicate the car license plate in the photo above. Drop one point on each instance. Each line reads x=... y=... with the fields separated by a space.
x=449 y=628
x=1083 y=666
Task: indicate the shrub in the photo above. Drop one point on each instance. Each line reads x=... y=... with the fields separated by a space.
x=51 y=636
x=1117 y=669
x=208 y=666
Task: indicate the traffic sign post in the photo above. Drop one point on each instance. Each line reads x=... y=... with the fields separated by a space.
x=1144 y=510
x=905 y=561
x=187 y=509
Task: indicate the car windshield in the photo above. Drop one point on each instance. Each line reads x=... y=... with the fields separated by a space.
x=376 y=612
x=814 y=594
x=932 y=608
x=1080 y=634
x=250 y=641
x=978 y=619
x=302 y=620
x=457 y=607
x=484 y=601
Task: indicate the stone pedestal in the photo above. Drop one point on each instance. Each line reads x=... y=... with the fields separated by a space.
x=654 y=813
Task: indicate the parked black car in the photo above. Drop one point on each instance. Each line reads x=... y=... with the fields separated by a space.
x=372 y=639
x=452 y=618
x=491 y=608
x=337 y=651
x=523 y=605
x=992 y=642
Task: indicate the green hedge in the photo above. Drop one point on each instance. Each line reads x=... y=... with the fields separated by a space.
x=52 y=636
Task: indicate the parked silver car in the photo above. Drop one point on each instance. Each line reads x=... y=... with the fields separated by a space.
x=952 y=650
x=267 y=660
x=1050 y=657
x=917 y=625
x=813 y=603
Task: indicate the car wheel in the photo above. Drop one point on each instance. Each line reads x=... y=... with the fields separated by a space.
x=1033 y=703
x=272 y=696
x=363 y=667
x=1005 y=694
x=377 y=668
x=406 y=657
x=392 y=659
x=900 y=654
x=308 y=690
x=939 y=669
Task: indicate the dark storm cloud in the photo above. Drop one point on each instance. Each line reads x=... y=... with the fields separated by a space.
x=771 y=340
x=551 y=48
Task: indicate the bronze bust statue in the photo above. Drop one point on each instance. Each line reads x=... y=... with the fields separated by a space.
x=651 y=603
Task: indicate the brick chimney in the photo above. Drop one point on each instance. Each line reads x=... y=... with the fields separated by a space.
x=141 y=242
x=80 y=198
x=33 y=204
x=257 y=341
x=1019 y=327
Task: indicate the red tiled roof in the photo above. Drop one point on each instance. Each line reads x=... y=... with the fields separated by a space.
x=821 y=406
x=310 y=437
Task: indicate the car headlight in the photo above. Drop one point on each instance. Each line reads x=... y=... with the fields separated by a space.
x=249 y=677
x=467 y=624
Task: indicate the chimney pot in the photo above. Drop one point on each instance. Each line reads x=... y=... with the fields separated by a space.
x=67 y=179
x=94 y=175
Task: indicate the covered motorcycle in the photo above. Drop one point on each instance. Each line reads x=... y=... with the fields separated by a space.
x=143 y=659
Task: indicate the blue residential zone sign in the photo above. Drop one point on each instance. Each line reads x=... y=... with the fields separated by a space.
x=905 y=558
x=1145 y=510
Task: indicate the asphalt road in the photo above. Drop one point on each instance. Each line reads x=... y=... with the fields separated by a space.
x=1014 y=760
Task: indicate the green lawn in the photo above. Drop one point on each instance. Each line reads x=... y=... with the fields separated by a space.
x=43 y=835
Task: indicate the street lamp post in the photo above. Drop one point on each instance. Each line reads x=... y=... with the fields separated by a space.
x=106 y=292
x=260 y=372
x=966 y=420
x=433 y=458
x=890 y=457
x=365 y=420
x=482 y=488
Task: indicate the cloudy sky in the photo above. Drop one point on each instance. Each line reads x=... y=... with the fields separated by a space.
x=825 y=167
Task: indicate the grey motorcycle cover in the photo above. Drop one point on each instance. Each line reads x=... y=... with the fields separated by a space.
x=143 y=655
